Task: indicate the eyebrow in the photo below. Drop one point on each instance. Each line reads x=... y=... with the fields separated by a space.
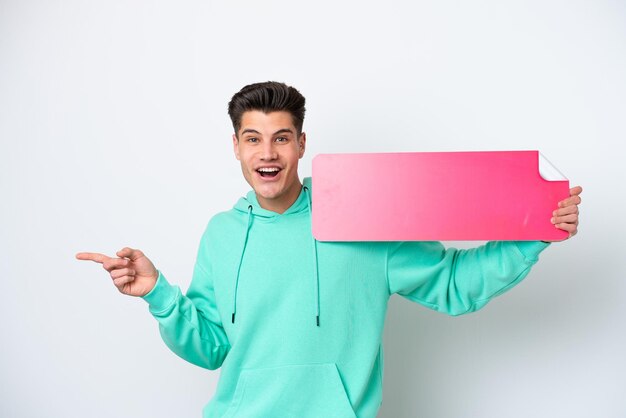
x=253 y=131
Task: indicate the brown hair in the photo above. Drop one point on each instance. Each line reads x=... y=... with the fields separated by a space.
x=269 y=96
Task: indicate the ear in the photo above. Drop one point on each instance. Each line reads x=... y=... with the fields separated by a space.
x=302 y=144
x=236 y=146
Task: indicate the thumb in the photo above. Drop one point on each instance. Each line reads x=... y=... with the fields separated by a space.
x=132 y=254
x=575 y=191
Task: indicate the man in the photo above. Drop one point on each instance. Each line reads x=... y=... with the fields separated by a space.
x=296 y=324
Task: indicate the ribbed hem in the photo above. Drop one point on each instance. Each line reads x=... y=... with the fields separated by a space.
x=162 y=294
x=531 y=249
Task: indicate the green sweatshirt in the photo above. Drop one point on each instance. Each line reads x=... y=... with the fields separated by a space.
x=296 y=324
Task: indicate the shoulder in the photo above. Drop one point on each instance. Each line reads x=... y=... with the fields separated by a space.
x=223 y=223
x=221 y=231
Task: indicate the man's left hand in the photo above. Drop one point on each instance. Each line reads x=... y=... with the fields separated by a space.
x=566 y=216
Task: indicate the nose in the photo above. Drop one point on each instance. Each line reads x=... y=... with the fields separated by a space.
x=268 y=152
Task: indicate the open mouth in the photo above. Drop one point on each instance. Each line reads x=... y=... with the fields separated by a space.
x=268 y=172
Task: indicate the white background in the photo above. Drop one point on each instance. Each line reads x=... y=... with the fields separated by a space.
x=114 y=132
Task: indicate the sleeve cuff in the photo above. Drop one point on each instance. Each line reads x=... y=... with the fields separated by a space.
x=531 y=249
x=162 y=294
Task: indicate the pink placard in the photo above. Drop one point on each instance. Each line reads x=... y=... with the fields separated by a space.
x=434 y=196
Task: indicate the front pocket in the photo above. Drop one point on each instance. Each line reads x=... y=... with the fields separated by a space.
x=295 y=391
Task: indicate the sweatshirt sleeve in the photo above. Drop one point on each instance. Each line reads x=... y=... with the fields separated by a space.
x=458 y=281
x=190 y=324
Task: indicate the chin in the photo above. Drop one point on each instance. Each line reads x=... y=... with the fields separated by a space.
x=268 y=194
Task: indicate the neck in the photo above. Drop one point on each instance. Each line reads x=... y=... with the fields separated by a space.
x=281 y=204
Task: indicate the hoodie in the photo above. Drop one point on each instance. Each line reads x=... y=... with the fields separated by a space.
x=296 y=324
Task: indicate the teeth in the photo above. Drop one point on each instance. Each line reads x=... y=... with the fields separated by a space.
x=268 y=169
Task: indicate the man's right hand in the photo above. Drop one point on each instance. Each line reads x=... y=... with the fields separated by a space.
x=133 y=273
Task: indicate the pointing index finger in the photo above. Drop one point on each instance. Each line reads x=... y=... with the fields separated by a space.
x=97 y=257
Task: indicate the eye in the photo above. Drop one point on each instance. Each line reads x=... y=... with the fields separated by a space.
x=281 y=139
x=252 y=139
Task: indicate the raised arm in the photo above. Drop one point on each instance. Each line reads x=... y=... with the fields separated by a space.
x=456 y=281
x=189 y=325
x=461 y=281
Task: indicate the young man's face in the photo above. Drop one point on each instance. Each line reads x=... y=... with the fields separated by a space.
x=268 y=147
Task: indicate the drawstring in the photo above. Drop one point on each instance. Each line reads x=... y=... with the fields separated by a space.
x=317 y=275
x=243 y=250
x=315 y=264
